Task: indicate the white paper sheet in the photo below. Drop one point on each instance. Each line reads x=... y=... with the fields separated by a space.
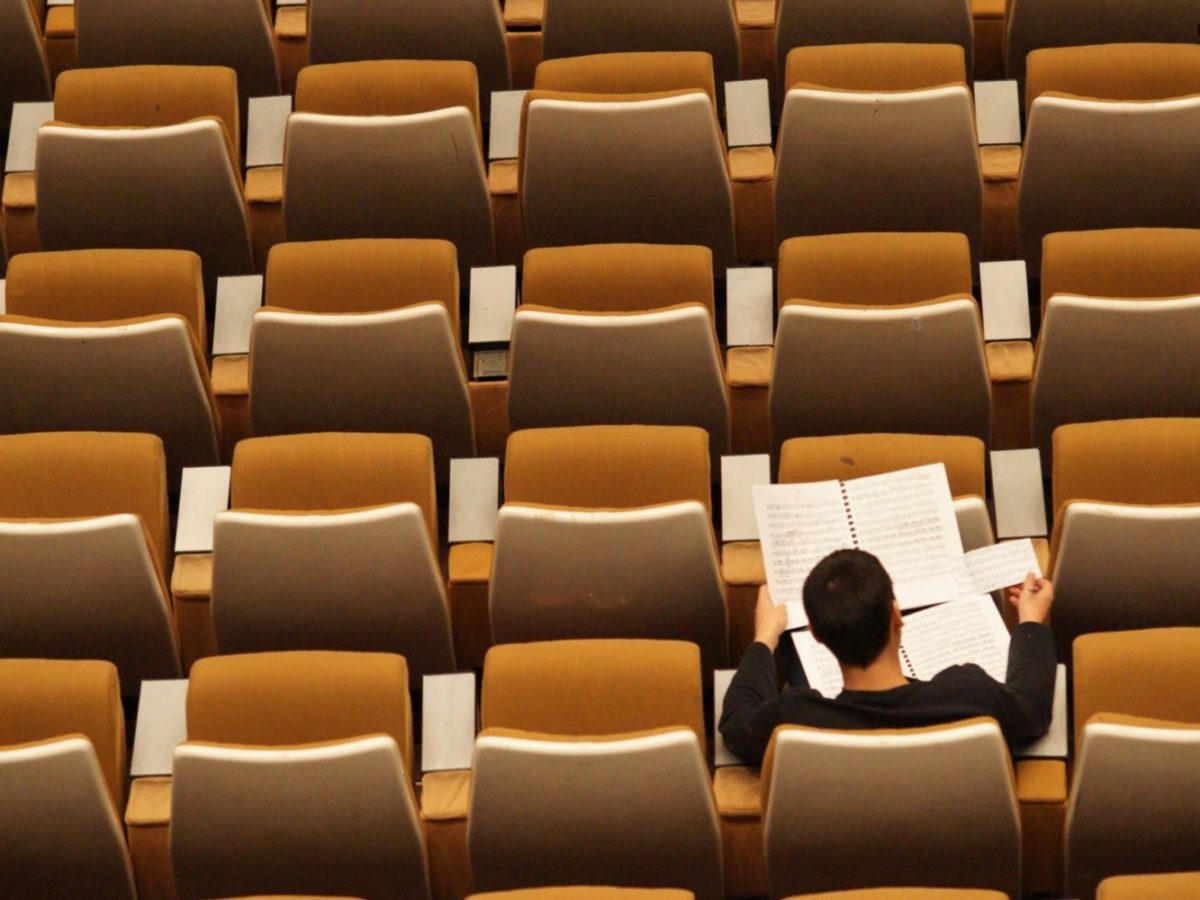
x=997 y=566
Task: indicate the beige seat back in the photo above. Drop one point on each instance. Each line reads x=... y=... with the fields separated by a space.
x=114 y=607
x=419 y=175
x=878 y=161
x=805 y=23
x=574 y=28
x=407 y=375
x=580 y=184
x=46 y=698
x=1133 y=803
x=1107 y=164
x=300 y=697
x=1142 y=348
x=272 y=819
x=60 y=835
x=593 y=687
x=874 y=268
x=649 y=819
x=358 y=580
x=650 y=572
x=233 y=33
x=173 y=186
x=950 y=818
x=137 y=375
x=1121 y=262
x=471 y=30
x=914 y=369
x=659 y=367
x=24 y=76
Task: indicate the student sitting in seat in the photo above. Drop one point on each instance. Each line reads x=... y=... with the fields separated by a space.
x=852 y=610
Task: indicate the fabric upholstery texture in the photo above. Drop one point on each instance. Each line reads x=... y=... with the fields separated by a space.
x=858 y=455
x=1121 y=262
x=627 y=73
x=1150 y=887
x=876 y=67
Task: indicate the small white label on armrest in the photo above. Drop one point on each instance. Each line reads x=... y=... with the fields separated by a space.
x=60 y=2
x=747 y=113
x=265 y=127
x=721 y=754
x=238 y=296
x=504 y=132
x=290 y=2
x=27 y=118
x=1017 y=490
x=1053 y=744
x=750 y=307
x=739 y=474
x=447 y=722
x=997 y=112
x=203 y=493
x=3 y=298
x=474 y=499
x=161 y=727
x=1004 y=289
x=493 y=302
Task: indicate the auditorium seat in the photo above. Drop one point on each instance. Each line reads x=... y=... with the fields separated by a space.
x=110 y=340
x=587 y=892
x=951 y=816
x=1125 y=522
x=1134 y=800
x=388 y=148
x=580 y=179
x=908 y=893
x=362 y=335
x=233 y=33
x=331 y=543
x=1166 y=886
x=606 y=531
x=83 y=552
x=1111 y=140
x=287 y=755
x=24 y=76
x=618 y=334
x=585 y=27
x=805 y=23
x=878 y=137
x=1034 y=24
x=1121 y=262
x=582 y=775
x=145 y=156
x=470 y=30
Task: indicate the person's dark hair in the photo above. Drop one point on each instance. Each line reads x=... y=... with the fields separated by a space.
x=848 y=598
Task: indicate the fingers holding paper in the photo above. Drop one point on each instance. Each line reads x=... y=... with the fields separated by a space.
x=770 y=621
x=1032 y=599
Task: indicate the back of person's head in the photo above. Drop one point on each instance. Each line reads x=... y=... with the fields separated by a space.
x=848 y=598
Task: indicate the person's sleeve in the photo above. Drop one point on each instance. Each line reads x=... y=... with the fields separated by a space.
x=752 y=705
x=1032 y=662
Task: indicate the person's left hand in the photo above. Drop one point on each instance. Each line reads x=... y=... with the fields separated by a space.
x=770 y=621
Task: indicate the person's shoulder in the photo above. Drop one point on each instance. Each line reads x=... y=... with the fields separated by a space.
x=963 y=673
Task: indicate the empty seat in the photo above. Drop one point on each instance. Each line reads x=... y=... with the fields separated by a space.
x=388 y=148
x=579 y=182
x=878 y=137
x=470 y=30
x=640 y=776
x=1121 y=262
x=1149 y=887
x=233 y=33
x=331 y=543
x=607 y=532
x=281 y=817
x=362 y=335
x=618 y=334
x=110 y=340
x=581 y=892
x=83 y=552
x=585 y=27
x=145 y=156
x=1124 y=523
x=1111 y=140
x=951 y=818
x=906 y=894
x=24 y=76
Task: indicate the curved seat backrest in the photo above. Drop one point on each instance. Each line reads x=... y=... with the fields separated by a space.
x=915 y=369
x=650 y=572
x=650 y=818
x=268 y=819
x=233 y=33
x=359 y=580
x=951 y=790
x=60 y=835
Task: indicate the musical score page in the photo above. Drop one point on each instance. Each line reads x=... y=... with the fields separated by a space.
x=997 y=566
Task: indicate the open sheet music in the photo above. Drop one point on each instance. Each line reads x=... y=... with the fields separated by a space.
x=965 y=631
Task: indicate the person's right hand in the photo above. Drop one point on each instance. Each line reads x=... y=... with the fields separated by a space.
x=1032 y=599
